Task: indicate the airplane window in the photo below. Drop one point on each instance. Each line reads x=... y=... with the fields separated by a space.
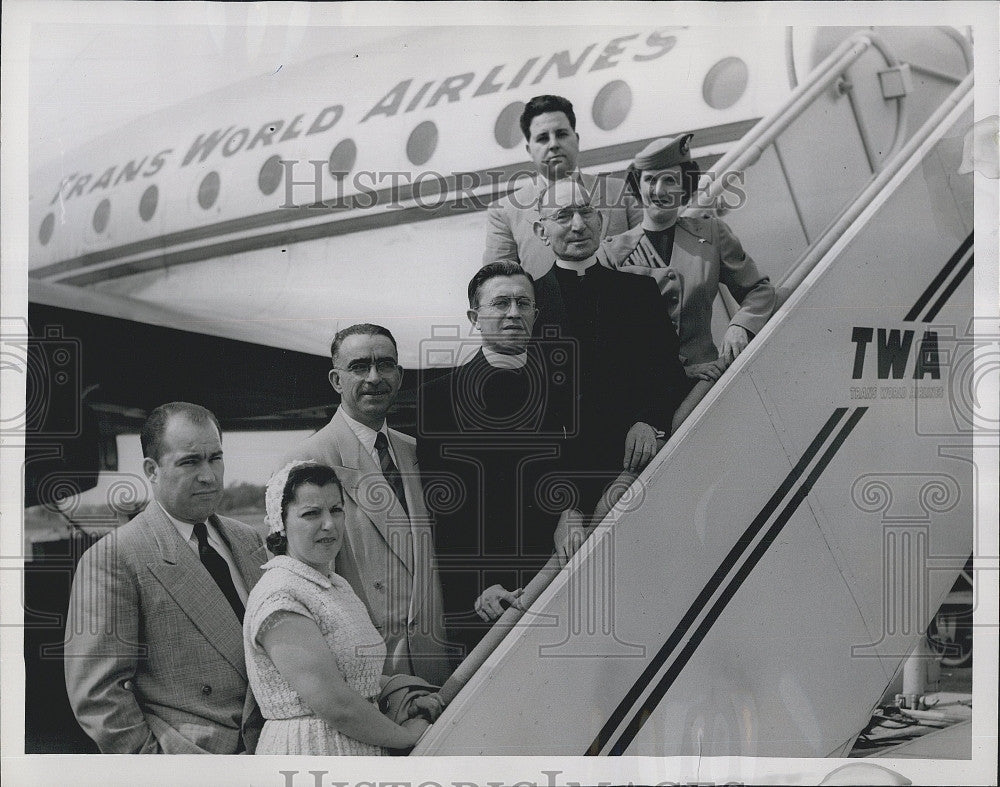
x=208 y=191
x=612 y=105
x=725 y=83
x=45 y=230
x=342 y=158
x=101 y=215
x=507 y=130
x=422 y=142
x=147 y=203
x=270 y=175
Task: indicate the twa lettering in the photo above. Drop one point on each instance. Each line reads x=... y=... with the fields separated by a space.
x=893 y=351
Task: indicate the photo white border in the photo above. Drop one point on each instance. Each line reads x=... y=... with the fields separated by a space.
x=19 y=15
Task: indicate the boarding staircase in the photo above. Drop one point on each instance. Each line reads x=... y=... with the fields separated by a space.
x=757 y=589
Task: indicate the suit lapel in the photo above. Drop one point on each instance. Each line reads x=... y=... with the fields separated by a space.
x=691 y=243
x=248 y=553
x=407 y=461
x=366 y=486
x=420 y=524
x=192 y=588
x=647 y=254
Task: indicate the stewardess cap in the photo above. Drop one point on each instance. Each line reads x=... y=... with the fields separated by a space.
x=664 y=152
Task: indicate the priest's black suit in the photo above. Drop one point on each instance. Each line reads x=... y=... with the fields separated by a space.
x=626 y=365
x=491 y=446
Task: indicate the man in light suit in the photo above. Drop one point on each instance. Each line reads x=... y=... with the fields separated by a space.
x=549 y=127
x=388 y=555
x=154 y=640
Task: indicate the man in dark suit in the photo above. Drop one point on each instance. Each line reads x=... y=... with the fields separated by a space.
x=154 y=637
x=388 y=554
x=492 y=432
x=630 y=379
x=549 y=127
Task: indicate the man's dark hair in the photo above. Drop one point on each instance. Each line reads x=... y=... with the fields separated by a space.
x=491 y=271
x=539 y=105
x=361 y=329
x=151 y=436
x=317 y=474
x=689 y=178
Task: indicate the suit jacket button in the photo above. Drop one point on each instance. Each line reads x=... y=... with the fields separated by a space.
x=206 y=689
x=127 y=685
x=377 y=584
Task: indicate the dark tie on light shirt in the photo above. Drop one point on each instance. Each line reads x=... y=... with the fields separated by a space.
x=389 y=469
x=219 y=569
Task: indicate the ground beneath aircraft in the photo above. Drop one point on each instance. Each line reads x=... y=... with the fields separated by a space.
x=949 y=737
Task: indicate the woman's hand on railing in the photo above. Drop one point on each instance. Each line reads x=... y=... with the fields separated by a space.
x=429 y=707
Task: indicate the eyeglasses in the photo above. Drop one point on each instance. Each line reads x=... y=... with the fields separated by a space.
x=565 y=216
x=503 y=304
x=360 y=368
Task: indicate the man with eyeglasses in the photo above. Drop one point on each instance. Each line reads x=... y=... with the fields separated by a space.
x=549 y=127
x=388 y=555
x=630 y=379
x=490 y=434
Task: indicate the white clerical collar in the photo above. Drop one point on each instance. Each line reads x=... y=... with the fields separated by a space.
x=366 y=435
x=502 y=361
x=580 y=267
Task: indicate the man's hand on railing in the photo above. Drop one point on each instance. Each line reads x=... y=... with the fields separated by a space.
x=490 y=604
x=640 y=446
x=733 y=343
x=570 y=533
x=710 y=371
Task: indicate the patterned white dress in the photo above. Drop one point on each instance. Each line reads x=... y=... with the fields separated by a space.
x=290 y=725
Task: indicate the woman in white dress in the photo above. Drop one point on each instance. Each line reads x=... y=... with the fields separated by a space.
x=313 y=657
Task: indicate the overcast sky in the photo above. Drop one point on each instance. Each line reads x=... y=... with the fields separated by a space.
x=87 y=79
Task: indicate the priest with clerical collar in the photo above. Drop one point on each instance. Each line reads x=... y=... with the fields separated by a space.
x=628 y=375
x=491 y=434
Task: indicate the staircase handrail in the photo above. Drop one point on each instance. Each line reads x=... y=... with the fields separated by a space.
x=752 y=146
x=798 y=272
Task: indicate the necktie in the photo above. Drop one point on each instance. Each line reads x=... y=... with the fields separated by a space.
x=389 y=469
x=219 y=569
